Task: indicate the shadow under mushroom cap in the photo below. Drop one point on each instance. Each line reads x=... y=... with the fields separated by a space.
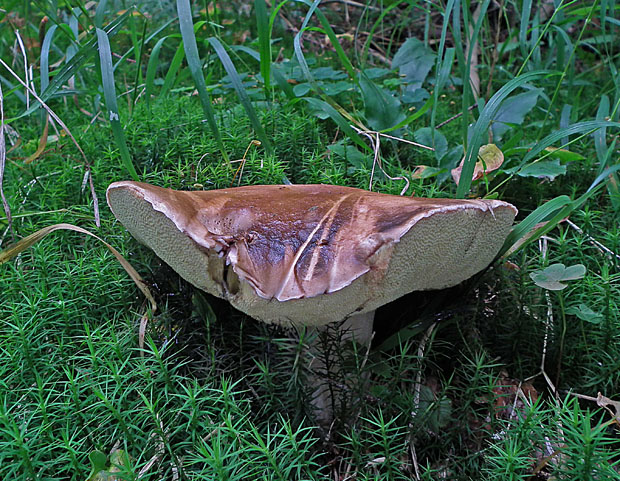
x=312 y=254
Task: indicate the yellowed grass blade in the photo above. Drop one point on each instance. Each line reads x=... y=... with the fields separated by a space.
x=13 y=250
x=42 y=142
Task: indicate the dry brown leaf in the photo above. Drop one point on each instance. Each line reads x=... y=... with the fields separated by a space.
x=490 y=159
x=517 y=245
x=605 y=402
x=418 y=173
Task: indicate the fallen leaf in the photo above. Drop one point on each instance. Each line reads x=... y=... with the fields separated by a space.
x=425 y=171
x=490 y=159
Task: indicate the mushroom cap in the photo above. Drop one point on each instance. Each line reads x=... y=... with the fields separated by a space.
x=312 y=254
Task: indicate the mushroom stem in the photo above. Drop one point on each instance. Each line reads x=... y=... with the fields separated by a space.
x=358 y=328
x=328 y=373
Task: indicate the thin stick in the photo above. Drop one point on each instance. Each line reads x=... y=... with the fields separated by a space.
x=592 y=240
x=25 y=58
x=376 y=143
x=454 y=117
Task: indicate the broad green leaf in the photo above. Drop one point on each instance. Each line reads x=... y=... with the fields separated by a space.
x=414 y=61
x=102 y=472
x=414 y=96
x=513 y=111
x=302 y=89
x=336 y=88
x=98 y=462
x=381 y=109
x=584 y=313
x=572 y=273
x=353 y=156
x=436 y=140
x=553 y=278
x=549 y=169
x=328 y=73
x=424 y=172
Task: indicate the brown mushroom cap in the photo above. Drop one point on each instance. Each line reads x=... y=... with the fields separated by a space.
x=312 y=254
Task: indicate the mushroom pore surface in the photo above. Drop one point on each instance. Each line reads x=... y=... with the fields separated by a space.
x=312 y=254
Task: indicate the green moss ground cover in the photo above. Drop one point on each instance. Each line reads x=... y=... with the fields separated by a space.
x=452 y=388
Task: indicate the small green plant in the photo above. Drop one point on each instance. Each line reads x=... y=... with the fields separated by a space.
x=554 y=278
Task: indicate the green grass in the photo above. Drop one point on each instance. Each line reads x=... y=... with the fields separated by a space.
x=216 y=395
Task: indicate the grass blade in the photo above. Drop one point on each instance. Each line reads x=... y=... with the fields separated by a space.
x=99 y=13
x=45 y=57
x=338 y=119
x=342 y=56
x=557 y=136
x=153 y=35
x=444 y=62
x=550 y=214
x=335 y=111
x=298 y=51
x=379 y=21
x=151 y=69
x=73 y=65
x=42 y=141
x=109 y=94
x=193 y=60
x=538 y=216
x=171 y=74
x=604 y=154
x=470 y=95
x=243 y=95
x=66 y=129
x=427 y=105
x=344 y=59
x=5 y=204
x=138 y=77
x=524 y=26
x=283 y=84
x=264 y=43
x=482 y=125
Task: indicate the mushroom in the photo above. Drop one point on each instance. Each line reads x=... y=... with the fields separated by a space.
x=310 y=255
